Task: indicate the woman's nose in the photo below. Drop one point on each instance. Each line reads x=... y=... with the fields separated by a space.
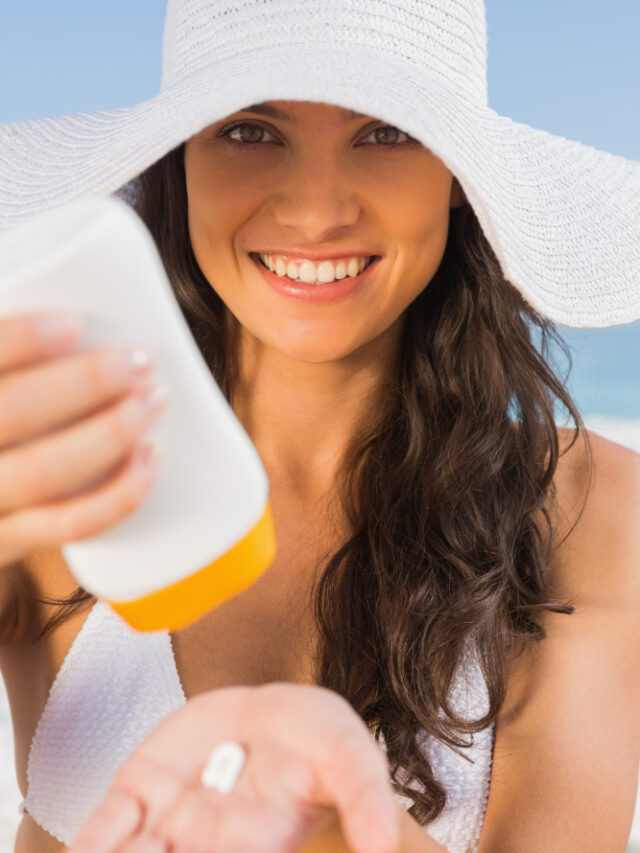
x=316 y=200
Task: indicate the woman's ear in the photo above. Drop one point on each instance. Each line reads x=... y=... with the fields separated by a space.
x=458 y=198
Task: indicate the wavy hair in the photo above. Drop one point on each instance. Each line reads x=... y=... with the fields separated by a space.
x=444 y=496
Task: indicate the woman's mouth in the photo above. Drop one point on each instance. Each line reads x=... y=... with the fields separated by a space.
x=326 y=281
x=315 y=272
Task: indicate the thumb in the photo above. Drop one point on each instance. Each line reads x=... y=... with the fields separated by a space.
x=353 y=777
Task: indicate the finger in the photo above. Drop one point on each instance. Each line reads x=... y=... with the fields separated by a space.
x=140 y=792
x=28 y=338
x=58 y=465
x=145 y=844
x=210 y=822
x=118 y=817
x=354 y=776
x=193 y=822
x=85 y=515
x=249 y=824
x=61 y=390
x=156 y=784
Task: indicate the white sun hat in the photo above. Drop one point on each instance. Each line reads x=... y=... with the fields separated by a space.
x=563 y=218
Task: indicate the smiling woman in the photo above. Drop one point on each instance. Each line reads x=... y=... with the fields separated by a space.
x=374 y=290
x=319 y=186
x=334 y=396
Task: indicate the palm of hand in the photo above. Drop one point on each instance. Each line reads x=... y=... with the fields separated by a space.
x=307 y=754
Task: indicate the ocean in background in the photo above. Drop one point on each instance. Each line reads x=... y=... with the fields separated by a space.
x=605 y=376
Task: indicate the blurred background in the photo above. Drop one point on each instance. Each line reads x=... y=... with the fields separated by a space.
x=570 y=68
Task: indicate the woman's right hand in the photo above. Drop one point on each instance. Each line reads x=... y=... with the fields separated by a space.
x=72 y=462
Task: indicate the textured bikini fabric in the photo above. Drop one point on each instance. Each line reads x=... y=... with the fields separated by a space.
x=115 y=685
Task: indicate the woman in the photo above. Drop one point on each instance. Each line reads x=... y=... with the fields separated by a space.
x=441 y=541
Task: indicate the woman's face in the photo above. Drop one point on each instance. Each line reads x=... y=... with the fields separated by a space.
x=317 y=180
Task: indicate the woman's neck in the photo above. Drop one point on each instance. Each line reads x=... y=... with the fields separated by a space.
x=302 y=416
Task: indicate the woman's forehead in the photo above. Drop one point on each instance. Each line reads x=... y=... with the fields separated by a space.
x=289 y=110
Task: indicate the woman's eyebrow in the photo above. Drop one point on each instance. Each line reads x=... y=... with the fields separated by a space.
x=273 y=112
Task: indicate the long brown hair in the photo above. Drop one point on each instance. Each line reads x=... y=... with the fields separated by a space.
x=444 y=495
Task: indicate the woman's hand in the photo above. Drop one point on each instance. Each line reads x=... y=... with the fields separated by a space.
x=307 y=755
x=71 y=425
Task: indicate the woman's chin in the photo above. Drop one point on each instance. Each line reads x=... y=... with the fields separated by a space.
x=322 y=347
x=314 y=355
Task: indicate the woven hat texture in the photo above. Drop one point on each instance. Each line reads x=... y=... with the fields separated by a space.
x=562 y=217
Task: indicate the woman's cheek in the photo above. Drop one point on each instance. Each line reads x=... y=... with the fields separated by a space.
x=428 y=248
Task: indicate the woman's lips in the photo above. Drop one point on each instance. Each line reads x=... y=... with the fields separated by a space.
x=316 y=294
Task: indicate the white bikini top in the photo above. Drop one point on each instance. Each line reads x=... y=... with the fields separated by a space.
x=116 y=684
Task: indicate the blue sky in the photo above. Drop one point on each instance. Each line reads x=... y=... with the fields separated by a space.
x=570 y=67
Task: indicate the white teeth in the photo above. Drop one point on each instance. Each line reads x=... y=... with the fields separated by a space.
x=326 y=272
x=353 y=268
x=308 y=272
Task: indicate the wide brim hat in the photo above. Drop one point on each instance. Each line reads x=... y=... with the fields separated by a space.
x=563 y=218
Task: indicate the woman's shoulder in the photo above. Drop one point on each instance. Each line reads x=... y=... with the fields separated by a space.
x=606 y=459
x=596 y=513
x=606 y=453
x=570 y=717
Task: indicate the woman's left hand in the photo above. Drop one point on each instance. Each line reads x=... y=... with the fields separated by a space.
x=308 y=754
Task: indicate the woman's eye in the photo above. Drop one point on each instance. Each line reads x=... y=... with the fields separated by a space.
x=253 y=134
x=387 y=135
x=246 y=133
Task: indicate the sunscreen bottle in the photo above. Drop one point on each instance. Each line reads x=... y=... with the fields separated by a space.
x=204 y=532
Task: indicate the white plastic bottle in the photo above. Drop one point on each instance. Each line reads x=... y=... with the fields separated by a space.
x=205 y=531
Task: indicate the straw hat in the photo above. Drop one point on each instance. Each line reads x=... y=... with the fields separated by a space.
x=562 y=217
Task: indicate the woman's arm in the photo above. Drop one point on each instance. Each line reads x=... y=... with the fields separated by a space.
x=567 y=748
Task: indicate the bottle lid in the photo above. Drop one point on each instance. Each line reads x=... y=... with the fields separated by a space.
x=181 y=603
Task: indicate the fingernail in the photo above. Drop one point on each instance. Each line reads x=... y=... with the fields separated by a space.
x=152 y=397
x=148 y=457
x=135 y=362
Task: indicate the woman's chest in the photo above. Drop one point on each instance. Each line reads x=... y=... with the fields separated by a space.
x=262 y=638
x=265 y=634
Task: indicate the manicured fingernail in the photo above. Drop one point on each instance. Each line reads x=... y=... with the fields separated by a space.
x=152 y=397
x=138 y=361
x=148 y=457
x=131 y=362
